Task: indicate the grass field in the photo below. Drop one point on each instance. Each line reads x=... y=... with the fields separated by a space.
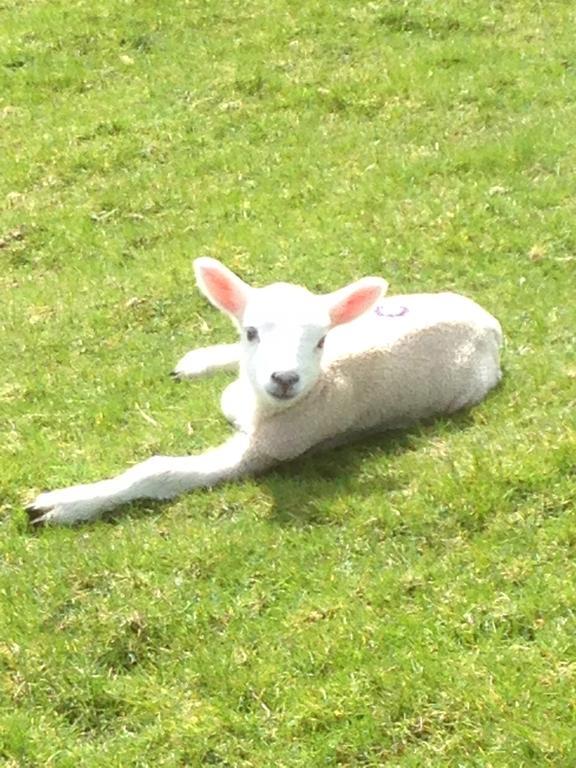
x=408 y=602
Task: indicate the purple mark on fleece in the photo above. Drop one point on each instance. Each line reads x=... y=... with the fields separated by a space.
x=397 y=312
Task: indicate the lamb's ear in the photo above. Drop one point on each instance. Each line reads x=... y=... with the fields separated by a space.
x=221 y=286
x=352 y=301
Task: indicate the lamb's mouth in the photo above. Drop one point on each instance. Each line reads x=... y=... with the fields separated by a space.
x=282 y=395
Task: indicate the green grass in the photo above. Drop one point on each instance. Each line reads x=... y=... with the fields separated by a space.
x=409 y=602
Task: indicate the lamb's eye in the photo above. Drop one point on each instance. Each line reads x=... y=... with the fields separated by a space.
x=251 y=334
x=320 y=344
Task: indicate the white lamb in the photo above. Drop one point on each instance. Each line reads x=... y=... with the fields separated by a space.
x=313 y=370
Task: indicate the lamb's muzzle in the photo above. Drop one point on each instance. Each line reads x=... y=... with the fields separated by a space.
x=283 y=384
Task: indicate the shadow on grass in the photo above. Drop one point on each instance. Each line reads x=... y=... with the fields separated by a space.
x=306 y=489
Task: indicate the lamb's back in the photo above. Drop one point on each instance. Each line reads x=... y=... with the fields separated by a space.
x=395 y=317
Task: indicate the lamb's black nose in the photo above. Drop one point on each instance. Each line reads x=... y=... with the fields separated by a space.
x=285 y=379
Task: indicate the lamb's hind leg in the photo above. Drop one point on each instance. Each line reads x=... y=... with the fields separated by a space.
x=201 y=362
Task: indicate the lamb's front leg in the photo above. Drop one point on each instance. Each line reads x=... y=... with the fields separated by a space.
x=160 y=477
x=200 y=362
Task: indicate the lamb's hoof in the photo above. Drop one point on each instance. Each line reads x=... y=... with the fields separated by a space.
x=66 y=506
x=175 y=376
x=36 y=515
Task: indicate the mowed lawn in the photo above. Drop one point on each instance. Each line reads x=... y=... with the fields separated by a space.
x=407 y=602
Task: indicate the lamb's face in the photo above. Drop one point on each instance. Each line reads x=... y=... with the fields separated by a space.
x=283 y=332
x=283 y=327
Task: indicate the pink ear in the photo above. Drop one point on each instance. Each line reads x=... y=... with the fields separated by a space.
x=221 y=286
x=349 y=303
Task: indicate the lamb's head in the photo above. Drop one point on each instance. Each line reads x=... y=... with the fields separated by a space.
x=283 y=327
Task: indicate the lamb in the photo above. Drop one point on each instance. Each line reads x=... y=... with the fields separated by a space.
x=313 y=370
